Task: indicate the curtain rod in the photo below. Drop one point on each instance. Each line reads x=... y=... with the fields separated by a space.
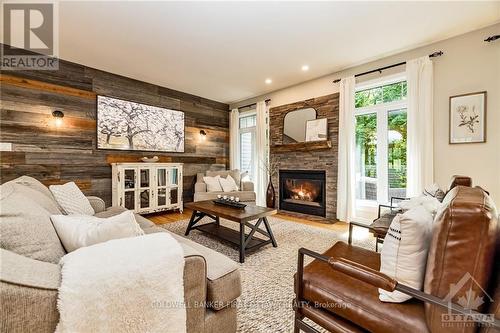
x=253 y=104
x=435 y=54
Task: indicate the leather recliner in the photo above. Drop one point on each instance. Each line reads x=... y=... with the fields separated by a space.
x=339 y=289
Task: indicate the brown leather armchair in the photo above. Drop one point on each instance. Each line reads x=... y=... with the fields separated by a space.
x=380 y=225
x=339 y=289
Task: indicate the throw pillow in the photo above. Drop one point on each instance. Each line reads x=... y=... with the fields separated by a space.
x=434 y=191
x=213 y=184
x=430 y=203
x=404 y=254
x=228 y=184
x=76 y=231
x=71 y=199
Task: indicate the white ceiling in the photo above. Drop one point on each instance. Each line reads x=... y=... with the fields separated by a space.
x=225 y=50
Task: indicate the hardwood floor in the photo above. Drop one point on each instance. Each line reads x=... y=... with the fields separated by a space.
x=170 y=217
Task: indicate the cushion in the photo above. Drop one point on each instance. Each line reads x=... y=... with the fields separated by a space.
x=228 y=184
x=71 y=199
x=404 y=254
x=430 y=203
x=213 y=184
x=223 y=174
x=358 y=301
x=76 y=231
x=115 y=210
x=25 y=225
x=434 y=191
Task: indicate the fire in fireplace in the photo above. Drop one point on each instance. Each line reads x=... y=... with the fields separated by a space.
x=302 y=191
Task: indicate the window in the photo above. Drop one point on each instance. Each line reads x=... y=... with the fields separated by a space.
x=247 y=143
x=380 y=142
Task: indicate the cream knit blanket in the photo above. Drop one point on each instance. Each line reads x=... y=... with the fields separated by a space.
x=123 y=285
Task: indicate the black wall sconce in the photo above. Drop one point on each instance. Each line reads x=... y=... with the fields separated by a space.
x=58 y=116
x=203 y=135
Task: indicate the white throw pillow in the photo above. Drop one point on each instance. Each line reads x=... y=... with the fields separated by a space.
x=77 y=231
x=404 y=254
x=213 y=184
x=430 y=203
x=228 y=184
x=71 y=199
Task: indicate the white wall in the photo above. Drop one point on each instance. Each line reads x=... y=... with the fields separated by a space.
x=468 y=65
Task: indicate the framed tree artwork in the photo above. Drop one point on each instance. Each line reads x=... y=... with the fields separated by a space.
x=468 y=118
x=128 y=125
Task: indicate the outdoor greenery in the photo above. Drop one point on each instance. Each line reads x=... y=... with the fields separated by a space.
x=366 y=132
x=383 y=94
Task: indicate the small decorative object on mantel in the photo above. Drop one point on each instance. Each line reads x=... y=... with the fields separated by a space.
x=230 y=202
x=468 y=118
x=150 y=159
x=270 y=167
x=316 y=129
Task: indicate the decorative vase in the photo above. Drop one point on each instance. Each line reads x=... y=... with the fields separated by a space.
x=270 y=199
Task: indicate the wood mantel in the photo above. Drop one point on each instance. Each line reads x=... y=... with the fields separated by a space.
x=301 y=146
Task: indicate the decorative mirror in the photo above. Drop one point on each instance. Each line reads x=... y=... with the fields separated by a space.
x=294 y=125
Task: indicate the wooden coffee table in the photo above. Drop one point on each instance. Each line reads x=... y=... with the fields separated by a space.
x=244 y=242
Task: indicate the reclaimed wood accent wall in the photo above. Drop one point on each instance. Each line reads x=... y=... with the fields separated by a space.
x=313 y=159
x=68 y=153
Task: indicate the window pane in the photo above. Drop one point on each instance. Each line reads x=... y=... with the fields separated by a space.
x=396 y=138
x=366 y=156
x=392 y=92
x=249 y=121
x=384 y=94
x=246 y=152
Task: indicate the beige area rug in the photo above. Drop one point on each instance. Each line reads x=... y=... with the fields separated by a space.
x=265 y=305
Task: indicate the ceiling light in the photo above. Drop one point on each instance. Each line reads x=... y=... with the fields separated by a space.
x=268 y=81
x=305 y=68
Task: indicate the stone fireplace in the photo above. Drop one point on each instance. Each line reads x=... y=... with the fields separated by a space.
x=315 y=161
x=302 y=191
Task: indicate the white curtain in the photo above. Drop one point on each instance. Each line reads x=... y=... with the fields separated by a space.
x=261 y=152
x=420 y=138
x=346 y=179
x=234 y=139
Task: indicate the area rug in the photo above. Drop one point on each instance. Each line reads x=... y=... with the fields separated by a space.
x=267 y=274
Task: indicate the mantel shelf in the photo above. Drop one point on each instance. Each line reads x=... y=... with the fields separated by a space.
x=302 y=146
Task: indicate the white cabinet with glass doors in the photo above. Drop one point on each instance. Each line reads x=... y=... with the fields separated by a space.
x=147 y=187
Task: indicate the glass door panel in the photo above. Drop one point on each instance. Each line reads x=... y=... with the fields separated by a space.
x=129 y=199
x=144 y=177
x=396 y=153
x=174 y=196
x=144 y=201
x=161 y=175
x=247 y=152
x=129 y=178
x=162 y=197
x=174 y=176
x=366 y=157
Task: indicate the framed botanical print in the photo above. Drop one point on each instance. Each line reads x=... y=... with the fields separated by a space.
x=468 y=118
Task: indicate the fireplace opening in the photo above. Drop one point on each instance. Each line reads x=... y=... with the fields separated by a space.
x=303 y=191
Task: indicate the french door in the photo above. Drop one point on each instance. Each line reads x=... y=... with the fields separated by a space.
x=380 y=153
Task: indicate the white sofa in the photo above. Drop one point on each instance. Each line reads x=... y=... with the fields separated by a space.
x=246 y=191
